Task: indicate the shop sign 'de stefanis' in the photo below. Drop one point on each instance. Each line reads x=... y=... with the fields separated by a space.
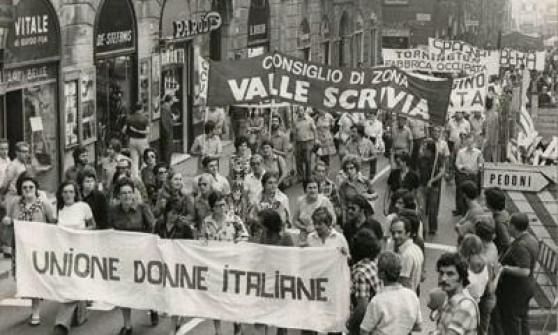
x=189 y=28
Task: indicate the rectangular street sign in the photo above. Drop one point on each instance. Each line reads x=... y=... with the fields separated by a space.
x=514 y=177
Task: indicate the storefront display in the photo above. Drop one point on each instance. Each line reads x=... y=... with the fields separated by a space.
x=116 y=70
x=183 y=30
x=30 y=77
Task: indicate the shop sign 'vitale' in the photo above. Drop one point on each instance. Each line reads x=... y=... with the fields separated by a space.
x=188 y=28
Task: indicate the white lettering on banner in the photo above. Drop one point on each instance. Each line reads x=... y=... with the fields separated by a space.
x=488 y=58
x=468 y=94
x=532 y=60
x=242 y=282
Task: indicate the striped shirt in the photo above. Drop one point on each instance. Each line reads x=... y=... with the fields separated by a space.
x=460 y=314
x=412 y=260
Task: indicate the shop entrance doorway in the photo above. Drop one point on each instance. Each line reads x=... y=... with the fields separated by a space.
x=14 y=119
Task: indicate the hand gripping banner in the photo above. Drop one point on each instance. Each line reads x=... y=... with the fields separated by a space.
x=301 y=288
x=284 y=78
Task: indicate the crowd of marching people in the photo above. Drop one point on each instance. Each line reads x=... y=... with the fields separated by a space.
x=484 y=287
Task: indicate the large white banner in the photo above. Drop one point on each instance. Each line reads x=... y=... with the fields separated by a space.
x=420 y=60
x=489 y=58
x=468 y=94
x=302 y=288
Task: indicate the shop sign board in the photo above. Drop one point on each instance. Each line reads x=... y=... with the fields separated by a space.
x=189 y=28
x=33 y=35
x=18 y=77
x=514 y=177
x=116 y=27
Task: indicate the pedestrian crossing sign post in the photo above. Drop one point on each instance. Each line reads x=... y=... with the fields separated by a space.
x=515 y=177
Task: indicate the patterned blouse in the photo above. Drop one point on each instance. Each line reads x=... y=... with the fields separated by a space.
x=231 y=229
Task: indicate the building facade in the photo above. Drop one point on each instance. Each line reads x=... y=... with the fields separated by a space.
x=72 y=70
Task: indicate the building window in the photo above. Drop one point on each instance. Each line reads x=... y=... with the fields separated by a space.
x=326 y=46
x=358 y=38
x=373 y=46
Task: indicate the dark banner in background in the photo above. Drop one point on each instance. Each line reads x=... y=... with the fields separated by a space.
x=288 y=79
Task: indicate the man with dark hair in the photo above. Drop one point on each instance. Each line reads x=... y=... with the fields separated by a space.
x=395 y=309
x=466 y=225
x=496 y=204
x=516 y=286
x=402 y=136
x=360 y=146
x=137 y=129
x=412 y=257
x=305 y=135
x=359 y=216
x=280 y=140
x=81 y=160
x=207 y=144
x=459 y=315
x=364 y=276
x=87 y=183
x=124 y=171
x=324 y=235
x=219 y=182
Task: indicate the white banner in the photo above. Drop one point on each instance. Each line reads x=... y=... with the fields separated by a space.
x=301 y=288
x=468 y=94
x=489 y=58
x=420 y=60
x=532 y=60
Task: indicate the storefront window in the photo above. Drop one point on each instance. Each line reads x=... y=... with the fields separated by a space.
x=114 y=96
x=40 y=131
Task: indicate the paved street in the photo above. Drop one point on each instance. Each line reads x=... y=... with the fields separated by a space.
x=14 y=314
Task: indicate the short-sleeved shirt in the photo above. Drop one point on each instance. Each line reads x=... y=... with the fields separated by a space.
x=218 y=182
x=138 y=218
x=138 y=121
x=442 y=147
x=40 y=211
x=395 y=310
x=501 y=222
x=207 y=146
x=306 y=209
x=279 y=203
x=365 y=282
x=521 y=253
x=335 y=239
x=75 y=215
x=412 y=260
x=460 y=314
x=418 y=128
x=373 y=128
x=470 y=158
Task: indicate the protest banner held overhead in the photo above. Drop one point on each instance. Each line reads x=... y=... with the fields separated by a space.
x=468 y=94
x=488 y=58
x=532 y=60
x=421 y=60
x=284 y=78
x=241 y=282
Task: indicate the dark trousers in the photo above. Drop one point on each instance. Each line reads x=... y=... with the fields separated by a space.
x=303 y=151
x=166 y=148
x=433 y=206
x=510 y=317
x=373 y=168
x=460 y=204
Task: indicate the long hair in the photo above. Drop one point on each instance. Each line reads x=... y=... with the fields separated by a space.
x=60 y=200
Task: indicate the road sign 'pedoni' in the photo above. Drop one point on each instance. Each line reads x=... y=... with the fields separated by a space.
x=523 y=178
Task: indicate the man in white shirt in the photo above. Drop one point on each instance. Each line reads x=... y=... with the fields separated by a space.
x=395 y=309
x=219 y=183
x=374 y=130
x=253 y=181
x=456 y=127
x=412 y=258
x=468 y=163
x=419 y=130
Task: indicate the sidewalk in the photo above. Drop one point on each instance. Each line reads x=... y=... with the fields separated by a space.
x=5 y=267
